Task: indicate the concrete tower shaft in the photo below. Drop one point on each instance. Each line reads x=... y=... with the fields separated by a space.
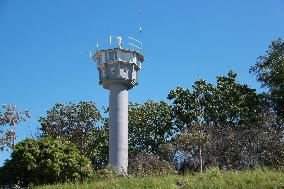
x=118 y=131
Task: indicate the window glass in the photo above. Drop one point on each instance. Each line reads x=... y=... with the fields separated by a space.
x=112 y=56
x=127 y=57
x=99 y=60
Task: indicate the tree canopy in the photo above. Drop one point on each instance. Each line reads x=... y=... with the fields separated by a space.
x=236 y=119
x=269 y=71
x=81 y=124
x=150 y=126
x=10 y=117
x=228 y=103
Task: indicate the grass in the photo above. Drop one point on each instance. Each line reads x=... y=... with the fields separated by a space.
x=212 y=178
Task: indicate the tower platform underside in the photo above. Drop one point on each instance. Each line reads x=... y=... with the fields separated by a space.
x=118 y=72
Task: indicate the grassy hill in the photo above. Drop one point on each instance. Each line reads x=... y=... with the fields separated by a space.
x=212 y=178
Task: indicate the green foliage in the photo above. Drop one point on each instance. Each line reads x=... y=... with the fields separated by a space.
x=150 y=126
x=46 y=160
x=269 y=71
x=10 y=117
x=229 y=103
x=107 y=173
x=211 y=178
x=81 y=124
x=243 y=132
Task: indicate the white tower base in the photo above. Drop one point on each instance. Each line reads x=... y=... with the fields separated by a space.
x=118 y=131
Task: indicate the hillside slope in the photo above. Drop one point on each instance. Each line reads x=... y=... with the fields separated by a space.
x=212 y=178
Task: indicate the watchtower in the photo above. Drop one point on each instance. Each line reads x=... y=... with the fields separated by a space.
x=118 y=72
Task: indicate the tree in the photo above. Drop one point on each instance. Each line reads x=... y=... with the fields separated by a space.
x=149 y=164
x=45 y=161
x=269 y=71
x=150 y=127
x=257 y=144
x=81 y=124
x=225 y=112
x=229 y=103
x=192 y=141
x=10 y=117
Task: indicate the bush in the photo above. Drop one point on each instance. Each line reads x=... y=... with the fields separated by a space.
x=81 y=124
x=107 y=173
x=42 y=161
x=149 y=164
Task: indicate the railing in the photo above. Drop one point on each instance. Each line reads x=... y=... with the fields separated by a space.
x=117 y=56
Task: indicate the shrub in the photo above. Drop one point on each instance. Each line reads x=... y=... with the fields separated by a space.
x=149 y=164
x=81 y=124
x=107 y=173
x=42 y=161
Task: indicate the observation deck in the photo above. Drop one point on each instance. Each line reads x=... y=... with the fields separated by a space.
x=118 y=66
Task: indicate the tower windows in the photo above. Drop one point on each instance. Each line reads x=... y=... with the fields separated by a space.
x=112 y=56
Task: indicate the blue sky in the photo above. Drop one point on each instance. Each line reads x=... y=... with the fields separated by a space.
x=43 y=46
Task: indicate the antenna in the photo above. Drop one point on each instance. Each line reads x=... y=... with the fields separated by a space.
x=110 y=40
x=97 y=46
x=139 y=48
x=140 y=27
x=135 y=40
x=90 y=52
x=138 y=44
